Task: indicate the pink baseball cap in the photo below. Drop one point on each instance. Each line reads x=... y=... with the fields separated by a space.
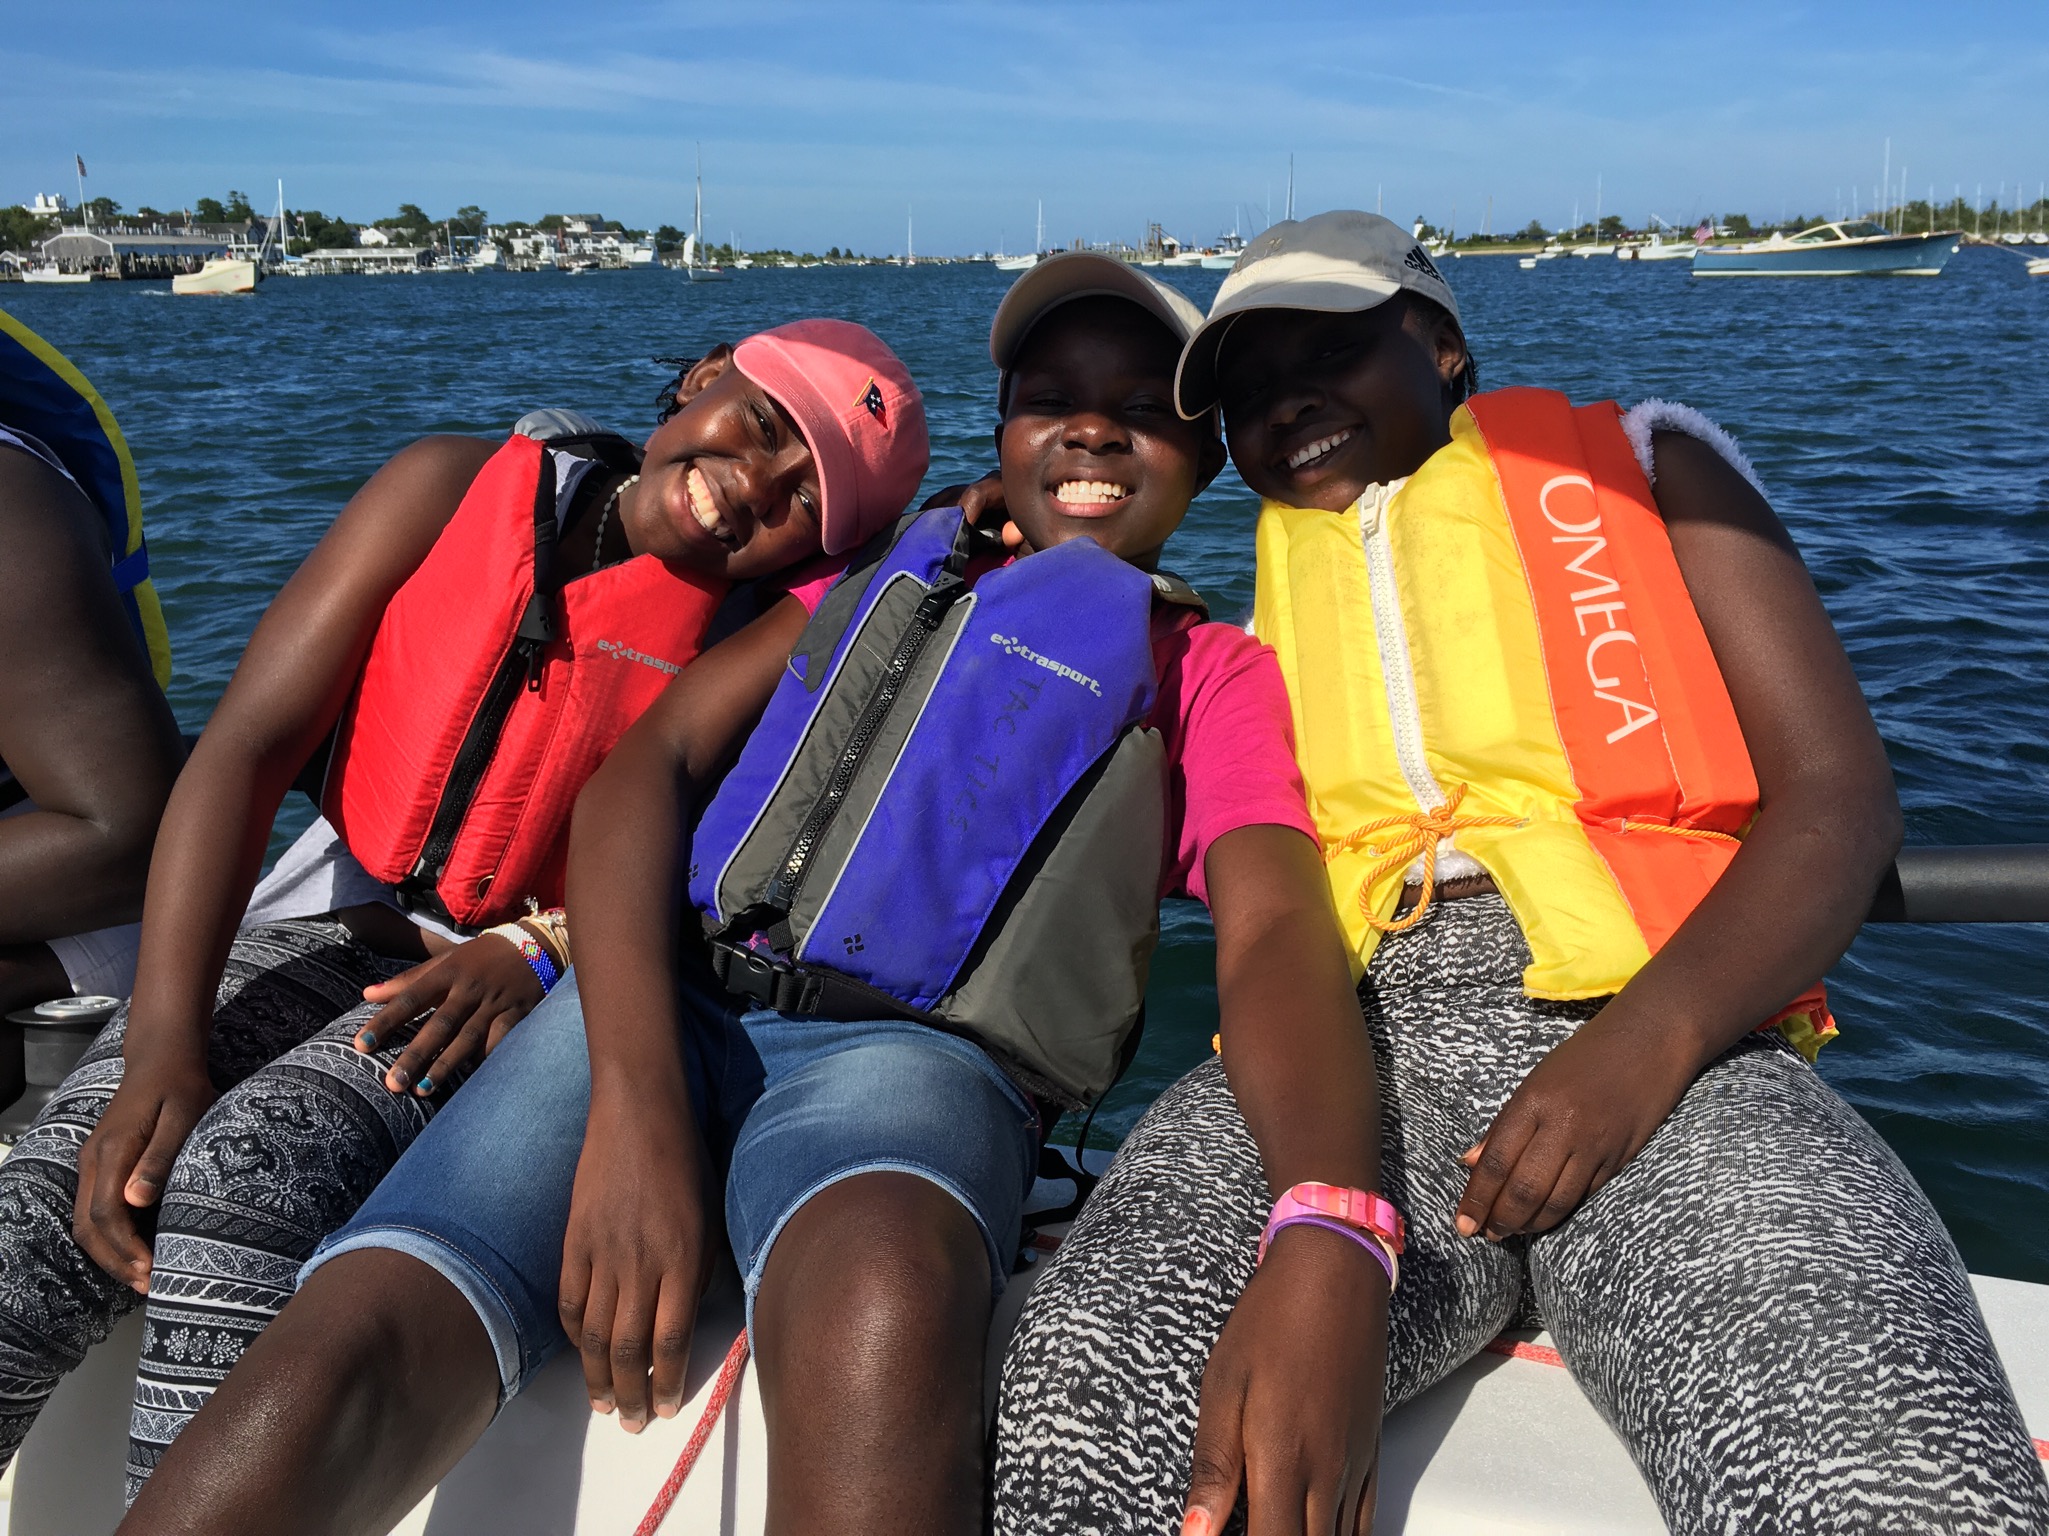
x=863 y=418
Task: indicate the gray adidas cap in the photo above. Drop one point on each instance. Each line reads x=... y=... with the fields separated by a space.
x=1338 y=262
x=1070 y=275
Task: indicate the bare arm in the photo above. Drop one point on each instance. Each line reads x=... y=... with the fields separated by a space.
x=1787 y=907
x=82 y=723
x=636 y=1255
x=1291 y=1400
x=1828 y=823
x=285 y=696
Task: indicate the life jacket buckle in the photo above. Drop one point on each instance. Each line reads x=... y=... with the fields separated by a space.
x=753 y=973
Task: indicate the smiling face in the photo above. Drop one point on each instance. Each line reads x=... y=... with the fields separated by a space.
x=1090 y=445
x=1320 y=406
x=728 y=485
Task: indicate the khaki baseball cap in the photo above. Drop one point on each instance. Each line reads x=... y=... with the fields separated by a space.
x=1071 y=275
x=1338 y=262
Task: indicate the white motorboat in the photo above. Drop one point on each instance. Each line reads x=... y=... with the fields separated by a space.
x=1860 y=249
x=50 y=272
x=2038 y=266
x=1657 y=248
x=220 y=275
x=240 y=270
x=1527 y=263
x=1225 y=255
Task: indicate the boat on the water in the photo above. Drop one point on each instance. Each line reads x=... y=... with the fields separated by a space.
x=220 y=274
x=2038 y=266
x=695 y=267
x=1224 y=255
x=50 y=272
x=1861 y=249
x=1026 y=263
x=1506 y=1443
x=1657 y=248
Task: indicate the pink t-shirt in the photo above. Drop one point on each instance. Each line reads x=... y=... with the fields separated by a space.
x=808 y=582
x=1223 y=713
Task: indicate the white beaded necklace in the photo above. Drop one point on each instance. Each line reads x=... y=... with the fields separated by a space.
x=611 y=501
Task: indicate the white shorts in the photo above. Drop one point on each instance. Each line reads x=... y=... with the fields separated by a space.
x=101 y=963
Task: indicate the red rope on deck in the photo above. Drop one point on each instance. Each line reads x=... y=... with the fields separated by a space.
x=729 y=1374
x=1516 y=1349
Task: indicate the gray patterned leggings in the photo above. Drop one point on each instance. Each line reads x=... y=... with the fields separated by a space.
x=1762 y=1304
x=302 y=1132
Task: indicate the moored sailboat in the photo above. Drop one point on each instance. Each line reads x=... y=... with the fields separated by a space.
x=695 y=267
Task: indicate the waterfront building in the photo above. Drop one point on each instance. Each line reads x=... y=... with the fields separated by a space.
x=124 y=252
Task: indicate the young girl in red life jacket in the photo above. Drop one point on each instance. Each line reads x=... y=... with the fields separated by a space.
x=447 y=667
x=1599 y=797
x=869 y=1166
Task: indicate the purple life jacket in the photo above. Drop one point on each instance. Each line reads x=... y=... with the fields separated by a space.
x=952 y=810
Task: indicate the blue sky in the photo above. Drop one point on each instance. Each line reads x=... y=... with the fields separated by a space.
x=822 y=123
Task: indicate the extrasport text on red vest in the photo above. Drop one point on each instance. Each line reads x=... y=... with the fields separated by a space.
x=1609 y=618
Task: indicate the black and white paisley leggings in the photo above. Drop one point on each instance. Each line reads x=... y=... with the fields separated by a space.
x=302 y=1132
x=1763 y=1304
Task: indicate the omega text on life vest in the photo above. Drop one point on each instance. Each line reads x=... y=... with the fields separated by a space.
x=1607 y=617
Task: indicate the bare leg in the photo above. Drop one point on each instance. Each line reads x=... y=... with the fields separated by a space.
x=870 y=1321
x=367 y=1388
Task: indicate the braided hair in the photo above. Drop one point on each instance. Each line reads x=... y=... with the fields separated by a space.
x=666 y=403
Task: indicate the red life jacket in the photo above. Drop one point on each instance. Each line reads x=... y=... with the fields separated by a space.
x=485 y=705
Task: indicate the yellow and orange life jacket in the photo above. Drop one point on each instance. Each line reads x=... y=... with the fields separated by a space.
x=1499 y=656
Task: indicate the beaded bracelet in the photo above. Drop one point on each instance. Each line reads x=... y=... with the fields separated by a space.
x=553 y=926
x=531 y=950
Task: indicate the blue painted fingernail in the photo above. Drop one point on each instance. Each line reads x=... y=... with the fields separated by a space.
x=367 y=1040
x=426 y=1087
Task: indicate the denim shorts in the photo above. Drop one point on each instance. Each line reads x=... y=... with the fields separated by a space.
x=787 y=1105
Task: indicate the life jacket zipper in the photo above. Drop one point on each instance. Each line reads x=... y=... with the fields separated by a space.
x=473 y=758
x=788 y=882
x=1397 y=671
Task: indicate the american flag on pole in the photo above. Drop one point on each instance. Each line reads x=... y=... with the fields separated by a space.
x=81 y=163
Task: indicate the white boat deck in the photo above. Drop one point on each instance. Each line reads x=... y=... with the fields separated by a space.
x=1504 y=1445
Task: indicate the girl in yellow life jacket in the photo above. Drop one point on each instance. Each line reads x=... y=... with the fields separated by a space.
x=1599 y=798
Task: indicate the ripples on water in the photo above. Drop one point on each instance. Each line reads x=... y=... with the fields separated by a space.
x=1898 y=425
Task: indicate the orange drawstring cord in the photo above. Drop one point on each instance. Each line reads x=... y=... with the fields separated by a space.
x=1420 y=831
x=1658 y=826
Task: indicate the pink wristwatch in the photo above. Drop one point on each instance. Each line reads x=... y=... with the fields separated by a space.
x=1357 y=1213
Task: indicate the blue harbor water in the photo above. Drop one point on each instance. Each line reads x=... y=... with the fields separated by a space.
x=1899 y=425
